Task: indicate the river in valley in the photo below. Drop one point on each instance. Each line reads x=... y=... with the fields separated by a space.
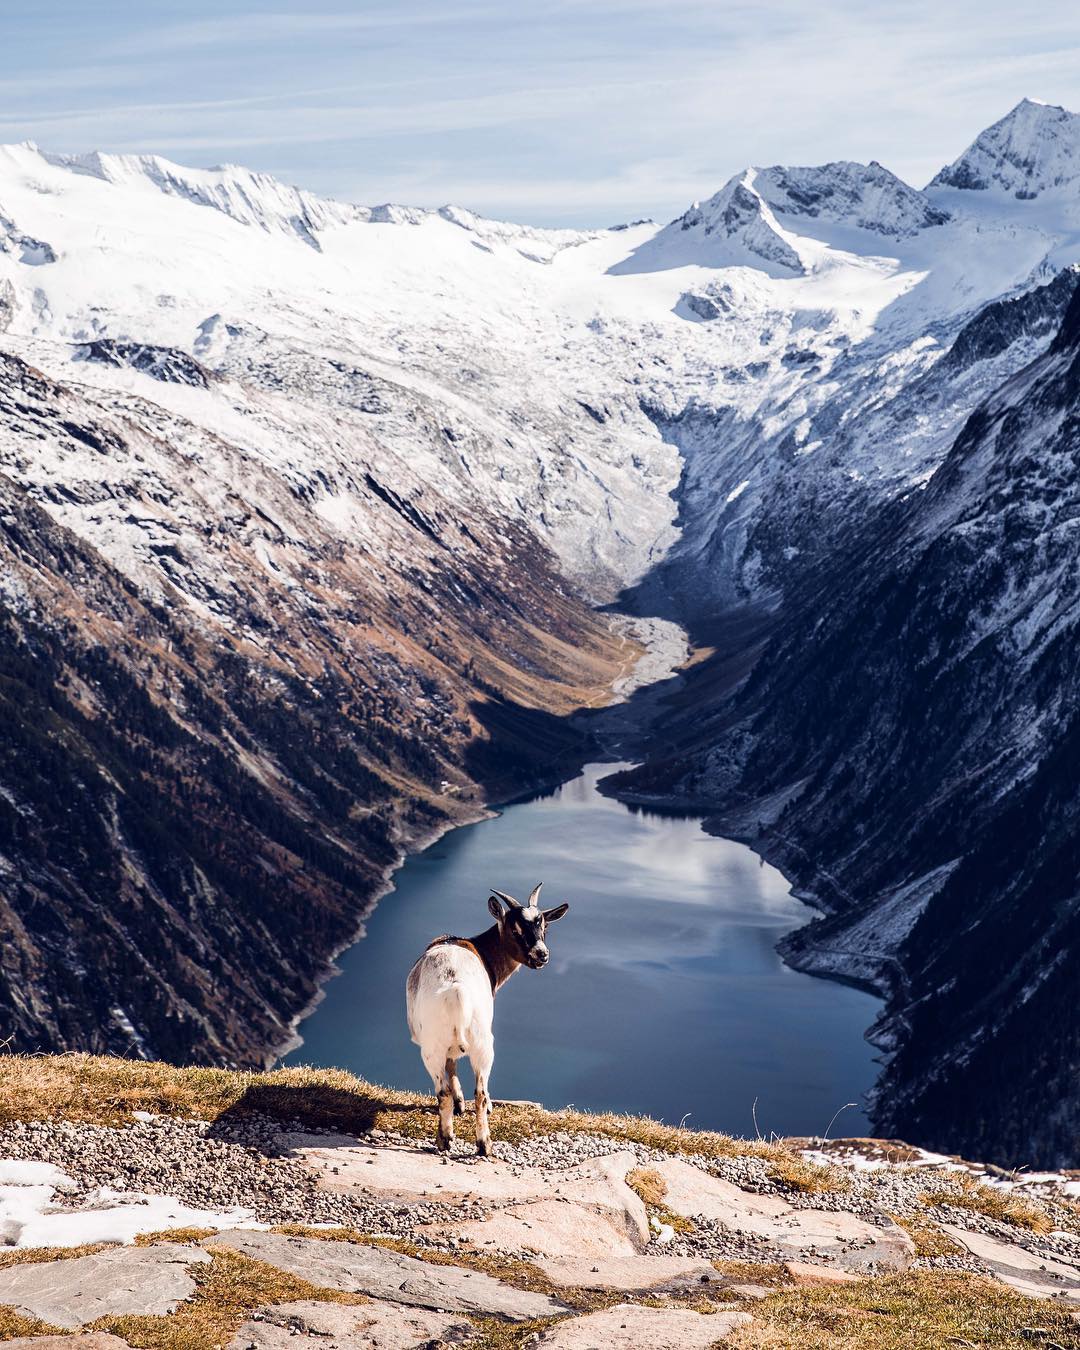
x=664 y=996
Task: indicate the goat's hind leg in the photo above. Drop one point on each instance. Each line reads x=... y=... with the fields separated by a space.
x=481 y=1062
x=455 y=1087
x=441 y=1071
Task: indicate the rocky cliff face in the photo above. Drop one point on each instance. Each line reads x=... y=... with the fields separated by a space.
x=205 y=782
x=906 y=749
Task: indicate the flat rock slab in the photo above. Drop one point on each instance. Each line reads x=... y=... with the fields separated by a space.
x=373 y=1326
x=403 y=1174
x=1031 y=1274
x=358 y=1269
x=407 y=1175
x=94 y=1340
x=629 y=1327
x=629 y=1273
x=549 y=1228
x=587 y=1212
x=149 y=1281
x=839 y=1237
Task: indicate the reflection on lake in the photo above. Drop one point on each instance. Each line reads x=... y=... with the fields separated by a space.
x=664 y=995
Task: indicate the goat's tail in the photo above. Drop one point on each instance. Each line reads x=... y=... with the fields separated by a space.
x=457 y=1019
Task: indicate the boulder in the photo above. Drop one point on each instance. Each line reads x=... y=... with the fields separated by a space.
x=839 y=1238
x=629 y=1327
x=629 y=1273
x=375 y=1325
x=356 y=1268
x=587 y=1213
x=148 y=1281
x=1032 y=1274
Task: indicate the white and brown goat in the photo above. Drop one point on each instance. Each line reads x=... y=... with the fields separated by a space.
x=450 y=997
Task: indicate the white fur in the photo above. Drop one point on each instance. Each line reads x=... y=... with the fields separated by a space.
x=450 y=1007
x=451 y=1010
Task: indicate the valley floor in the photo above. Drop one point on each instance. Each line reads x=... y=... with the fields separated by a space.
x=310 y=1204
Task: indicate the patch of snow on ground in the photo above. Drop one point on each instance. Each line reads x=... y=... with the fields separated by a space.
x=31 y=1214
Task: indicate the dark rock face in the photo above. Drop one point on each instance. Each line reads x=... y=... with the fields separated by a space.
x=162 y=363
x=1036 y=313
x=866 y=194
x=907 y=748
x=33 y=252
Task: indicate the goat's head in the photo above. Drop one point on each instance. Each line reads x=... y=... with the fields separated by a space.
x=523 y=928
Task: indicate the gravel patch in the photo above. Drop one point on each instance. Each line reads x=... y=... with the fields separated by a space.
x=245 y=1163
x=209 y=1166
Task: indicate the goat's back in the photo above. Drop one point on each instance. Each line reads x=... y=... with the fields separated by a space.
x=449 y=999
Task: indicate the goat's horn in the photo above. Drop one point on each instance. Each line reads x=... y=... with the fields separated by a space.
x=508 y=898
x=535 y=896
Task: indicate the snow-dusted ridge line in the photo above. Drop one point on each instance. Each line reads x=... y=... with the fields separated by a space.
x=346 y=411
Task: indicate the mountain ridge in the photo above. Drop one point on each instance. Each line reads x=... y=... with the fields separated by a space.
x=392 y=460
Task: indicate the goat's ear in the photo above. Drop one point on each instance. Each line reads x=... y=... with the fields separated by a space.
x=551 y=915
x=496 y=908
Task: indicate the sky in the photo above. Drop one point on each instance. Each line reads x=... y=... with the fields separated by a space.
x=564 y=112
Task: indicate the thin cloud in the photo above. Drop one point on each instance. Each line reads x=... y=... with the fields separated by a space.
x=567 y=108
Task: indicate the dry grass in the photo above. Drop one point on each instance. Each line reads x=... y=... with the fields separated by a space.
x=30 y=1256
x=107 y=1091
x=964 y=1192
x=928 y=1238
x=648 y=1184
x=493 y=1334
x=228 y=1291
x=651 y=1187
x=916 y=1311
x=14 y=1324
x=182 y=1235
x=800 y=1174
x=772 y=1274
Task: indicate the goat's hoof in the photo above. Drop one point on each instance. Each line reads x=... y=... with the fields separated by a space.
x=443 y=1142
x=459 y=1106
x=484 y=1149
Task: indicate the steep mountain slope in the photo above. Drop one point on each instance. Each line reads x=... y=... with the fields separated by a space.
x=207 y=766
x=342 y=483
x=906 y=749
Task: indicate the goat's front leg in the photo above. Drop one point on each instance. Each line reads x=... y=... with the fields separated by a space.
x=482 y=1068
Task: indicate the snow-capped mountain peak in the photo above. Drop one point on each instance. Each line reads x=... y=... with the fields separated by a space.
x=739 y=216
x=1032 y=150
x=245 y=196
x=866 y=196
x=759 y=216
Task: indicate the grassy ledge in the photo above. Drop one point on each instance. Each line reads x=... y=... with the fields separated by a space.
x=920 y=1310
x=964 y=1192
x=106 y=1091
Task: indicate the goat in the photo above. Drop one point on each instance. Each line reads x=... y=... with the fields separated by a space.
x=450 y=999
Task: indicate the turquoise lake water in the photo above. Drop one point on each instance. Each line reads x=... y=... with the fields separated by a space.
x=664 y=995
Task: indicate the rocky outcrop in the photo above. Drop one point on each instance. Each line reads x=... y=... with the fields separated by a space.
x=705 y=1245
x=144 y=1281
x=160 y=363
